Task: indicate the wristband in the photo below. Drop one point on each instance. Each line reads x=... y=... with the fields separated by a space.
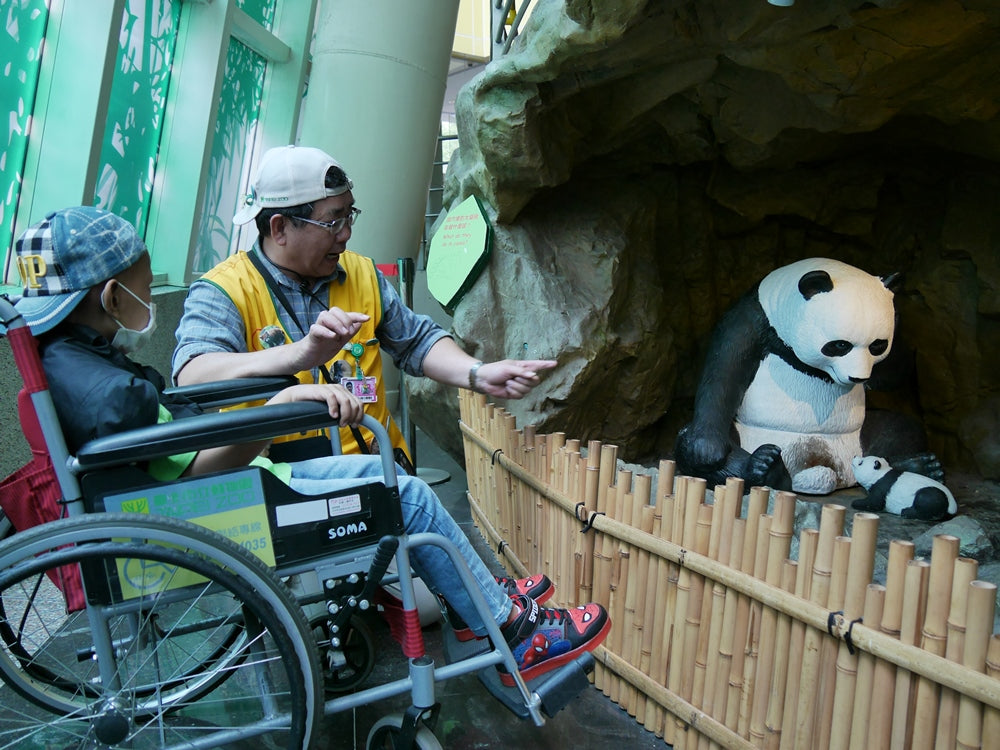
x=473 y=371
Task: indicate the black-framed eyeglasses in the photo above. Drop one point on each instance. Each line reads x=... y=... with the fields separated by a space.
x=337 y=225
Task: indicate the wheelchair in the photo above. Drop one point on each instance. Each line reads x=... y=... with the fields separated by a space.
x=218 y=610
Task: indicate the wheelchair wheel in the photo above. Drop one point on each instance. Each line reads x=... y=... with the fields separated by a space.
x=385 y=735
x=187 y=641
x=347 y=666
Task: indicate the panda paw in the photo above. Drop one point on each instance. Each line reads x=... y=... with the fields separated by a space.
x=764 y=468
x=869 y=504
x=816 y=480
x=926 y=464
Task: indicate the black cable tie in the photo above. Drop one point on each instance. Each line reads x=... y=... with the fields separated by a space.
x=493 y=461
x=848 y=635
x=576 y=511
x=831 y=621
x=500 y=545
x=590 y=521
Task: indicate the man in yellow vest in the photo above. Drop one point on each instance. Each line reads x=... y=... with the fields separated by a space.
x=300 y=303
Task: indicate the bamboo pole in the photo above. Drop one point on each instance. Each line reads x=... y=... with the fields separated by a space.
x=966 y=570
x=592 y=482
x=884 y=678
x=782 y=656
x=664 y=592
x=864 y=537
x=830 y=646
x=944 y=552
x=831 y=526
x=808 y=542
x=981 y=606
x=750 y=675
x=604 y=557
x=707 y=540
x=642 y=519
x=756 y=507
x=914 y=606
x=731 y=672
x=727 y=503
x=864 y=686
x=677 y=599
x=696 y=538
x=619 y=575
x=778 y=544
x=991 y=715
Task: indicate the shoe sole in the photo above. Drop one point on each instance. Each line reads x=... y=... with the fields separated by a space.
x=465 y=634
x=557 y=661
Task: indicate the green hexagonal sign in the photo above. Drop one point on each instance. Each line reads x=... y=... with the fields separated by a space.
x=459 y=251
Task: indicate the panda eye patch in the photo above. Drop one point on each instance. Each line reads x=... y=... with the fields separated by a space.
x=878 y=346
x=836 y=348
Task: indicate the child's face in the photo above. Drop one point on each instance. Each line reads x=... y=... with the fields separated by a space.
x=138 y=279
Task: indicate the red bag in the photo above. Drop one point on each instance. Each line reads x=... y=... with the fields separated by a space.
x=30 y=496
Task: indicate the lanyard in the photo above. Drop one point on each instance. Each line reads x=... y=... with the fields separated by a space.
x=278 y=292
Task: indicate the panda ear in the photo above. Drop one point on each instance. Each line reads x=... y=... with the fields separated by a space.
x=894 y=281
x=815 y=282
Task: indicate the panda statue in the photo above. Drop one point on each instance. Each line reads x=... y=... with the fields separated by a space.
x=781 y=399
x=904 y=493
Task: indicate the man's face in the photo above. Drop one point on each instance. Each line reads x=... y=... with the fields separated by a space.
x=313 y=251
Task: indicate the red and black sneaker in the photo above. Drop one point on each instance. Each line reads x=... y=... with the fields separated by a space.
x=536 y=587
x=543 y=638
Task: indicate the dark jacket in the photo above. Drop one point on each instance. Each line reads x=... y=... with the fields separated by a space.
x=99 y=391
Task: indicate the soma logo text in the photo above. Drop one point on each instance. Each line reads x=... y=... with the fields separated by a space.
x=339 y=532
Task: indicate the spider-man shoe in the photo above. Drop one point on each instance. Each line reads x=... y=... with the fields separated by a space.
x=542 y=638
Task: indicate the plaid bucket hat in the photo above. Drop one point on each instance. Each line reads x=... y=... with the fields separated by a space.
x=66 y=254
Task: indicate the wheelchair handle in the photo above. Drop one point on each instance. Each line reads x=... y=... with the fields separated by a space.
x=218 y=429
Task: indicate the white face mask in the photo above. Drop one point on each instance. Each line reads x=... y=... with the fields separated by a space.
x=129 y=339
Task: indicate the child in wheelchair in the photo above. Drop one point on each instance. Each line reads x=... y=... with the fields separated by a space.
x=88 y=302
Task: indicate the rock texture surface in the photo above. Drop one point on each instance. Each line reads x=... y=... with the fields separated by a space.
x=646 y=162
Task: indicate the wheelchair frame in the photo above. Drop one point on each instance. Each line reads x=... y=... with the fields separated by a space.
x=263 y=629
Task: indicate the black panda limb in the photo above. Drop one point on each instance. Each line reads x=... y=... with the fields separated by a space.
x=929 y=504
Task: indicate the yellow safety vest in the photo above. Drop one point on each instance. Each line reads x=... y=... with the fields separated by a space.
x=240 y=281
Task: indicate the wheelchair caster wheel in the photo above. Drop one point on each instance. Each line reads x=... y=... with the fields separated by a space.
x=345 y=666
x=387 y=732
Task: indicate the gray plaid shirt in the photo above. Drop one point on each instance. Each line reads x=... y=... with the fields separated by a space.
x=212 y=323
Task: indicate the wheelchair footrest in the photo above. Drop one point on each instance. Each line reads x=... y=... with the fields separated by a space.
x=555 y=689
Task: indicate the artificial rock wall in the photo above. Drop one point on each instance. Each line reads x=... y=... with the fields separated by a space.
x=645 y=162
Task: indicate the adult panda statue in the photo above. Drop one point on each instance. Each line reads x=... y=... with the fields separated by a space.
x=781 y=400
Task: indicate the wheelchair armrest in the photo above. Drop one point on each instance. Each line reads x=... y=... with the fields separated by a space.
x=234 y=390
x=204 y=431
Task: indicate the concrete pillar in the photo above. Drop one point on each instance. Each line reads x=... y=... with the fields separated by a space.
x=377 y=84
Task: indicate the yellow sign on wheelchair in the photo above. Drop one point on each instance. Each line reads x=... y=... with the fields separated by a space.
x=231 y=504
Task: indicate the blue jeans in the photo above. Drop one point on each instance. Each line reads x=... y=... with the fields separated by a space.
x=422 y=512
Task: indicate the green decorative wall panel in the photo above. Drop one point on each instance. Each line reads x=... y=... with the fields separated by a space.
x=24 y=24
x=235 y=128
x=135 y=113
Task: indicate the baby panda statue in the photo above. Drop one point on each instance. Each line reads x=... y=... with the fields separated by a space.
x=901 y=492
x=781 y=400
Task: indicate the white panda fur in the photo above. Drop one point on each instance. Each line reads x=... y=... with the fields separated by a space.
x=817 y=424
x=904 y=493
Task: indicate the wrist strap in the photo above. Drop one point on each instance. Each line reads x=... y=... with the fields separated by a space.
x=472 y=376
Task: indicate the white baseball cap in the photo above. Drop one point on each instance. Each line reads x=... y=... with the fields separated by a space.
x=289 y=176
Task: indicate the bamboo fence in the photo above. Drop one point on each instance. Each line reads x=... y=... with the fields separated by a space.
x=718 y=639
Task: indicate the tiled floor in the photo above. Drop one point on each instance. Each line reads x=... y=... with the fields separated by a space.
x=470 y=717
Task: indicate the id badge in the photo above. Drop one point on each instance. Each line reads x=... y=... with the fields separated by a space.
x=362 y=388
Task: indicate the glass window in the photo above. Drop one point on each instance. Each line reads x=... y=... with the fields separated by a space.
x=135 y=111
x=262 y=11
x=20 y=56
